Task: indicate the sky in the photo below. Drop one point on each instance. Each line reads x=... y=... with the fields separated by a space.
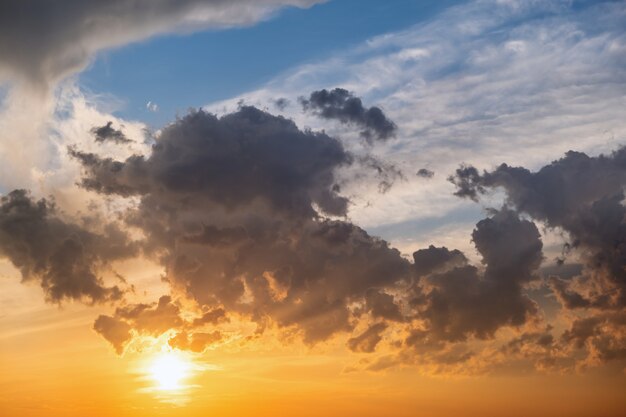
x=308 y=207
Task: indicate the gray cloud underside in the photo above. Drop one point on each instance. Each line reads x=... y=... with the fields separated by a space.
x=583 y=197
x=235 y=208
x=245 y=213
x=64 y=258
x=42 y=41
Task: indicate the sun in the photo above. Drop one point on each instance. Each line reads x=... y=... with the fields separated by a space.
x=169 y=371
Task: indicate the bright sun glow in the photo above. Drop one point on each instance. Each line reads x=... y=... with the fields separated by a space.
x=169 y=371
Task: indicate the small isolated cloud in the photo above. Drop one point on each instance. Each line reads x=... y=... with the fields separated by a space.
x=425 y=173
x=152 y=107
x=342 y=105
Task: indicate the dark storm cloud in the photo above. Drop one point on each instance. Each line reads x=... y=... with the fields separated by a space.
x=42 y=41
x=457 y=301
x=106 y=133
x=232 y=161
x=234 y=207
x=341 y=105
x=64 y=258
x=582 y=196
x=237 y=210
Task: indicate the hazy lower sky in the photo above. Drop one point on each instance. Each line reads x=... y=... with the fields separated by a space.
x=308 y=207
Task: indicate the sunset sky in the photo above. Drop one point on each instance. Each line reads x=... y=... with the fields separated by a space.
x=342 y=208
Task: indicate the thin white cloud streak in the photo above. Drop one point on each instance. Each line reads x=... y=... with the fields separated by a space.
x=520 y=82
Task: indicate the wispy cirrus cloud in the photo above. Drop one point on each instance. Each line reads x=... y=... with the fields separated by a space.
x=512 y=81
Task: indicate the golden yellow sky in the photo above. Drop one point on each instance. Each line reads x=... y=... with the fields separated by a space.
x=54 y=364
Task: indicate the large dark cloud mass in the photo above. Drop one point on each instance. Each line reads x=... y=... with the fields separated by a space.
x=457 y=300
x=583 y=197
x=235 y=162
x=235 y=207
x=42 y=41
x=246 y=215
x=64 y=258
x=240 y=209
x=244 y=212
x=341 y=105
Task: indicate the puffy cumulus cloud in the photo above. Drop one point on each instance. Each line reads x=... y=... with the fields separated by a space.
x=457 y=315
x=42 y=41
x=246 y=214
x=107 y=133
x=457 y=301
x=582 y=196
x=342 y=105
x=65 y=258
x=236 y=208
x=233 y=161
